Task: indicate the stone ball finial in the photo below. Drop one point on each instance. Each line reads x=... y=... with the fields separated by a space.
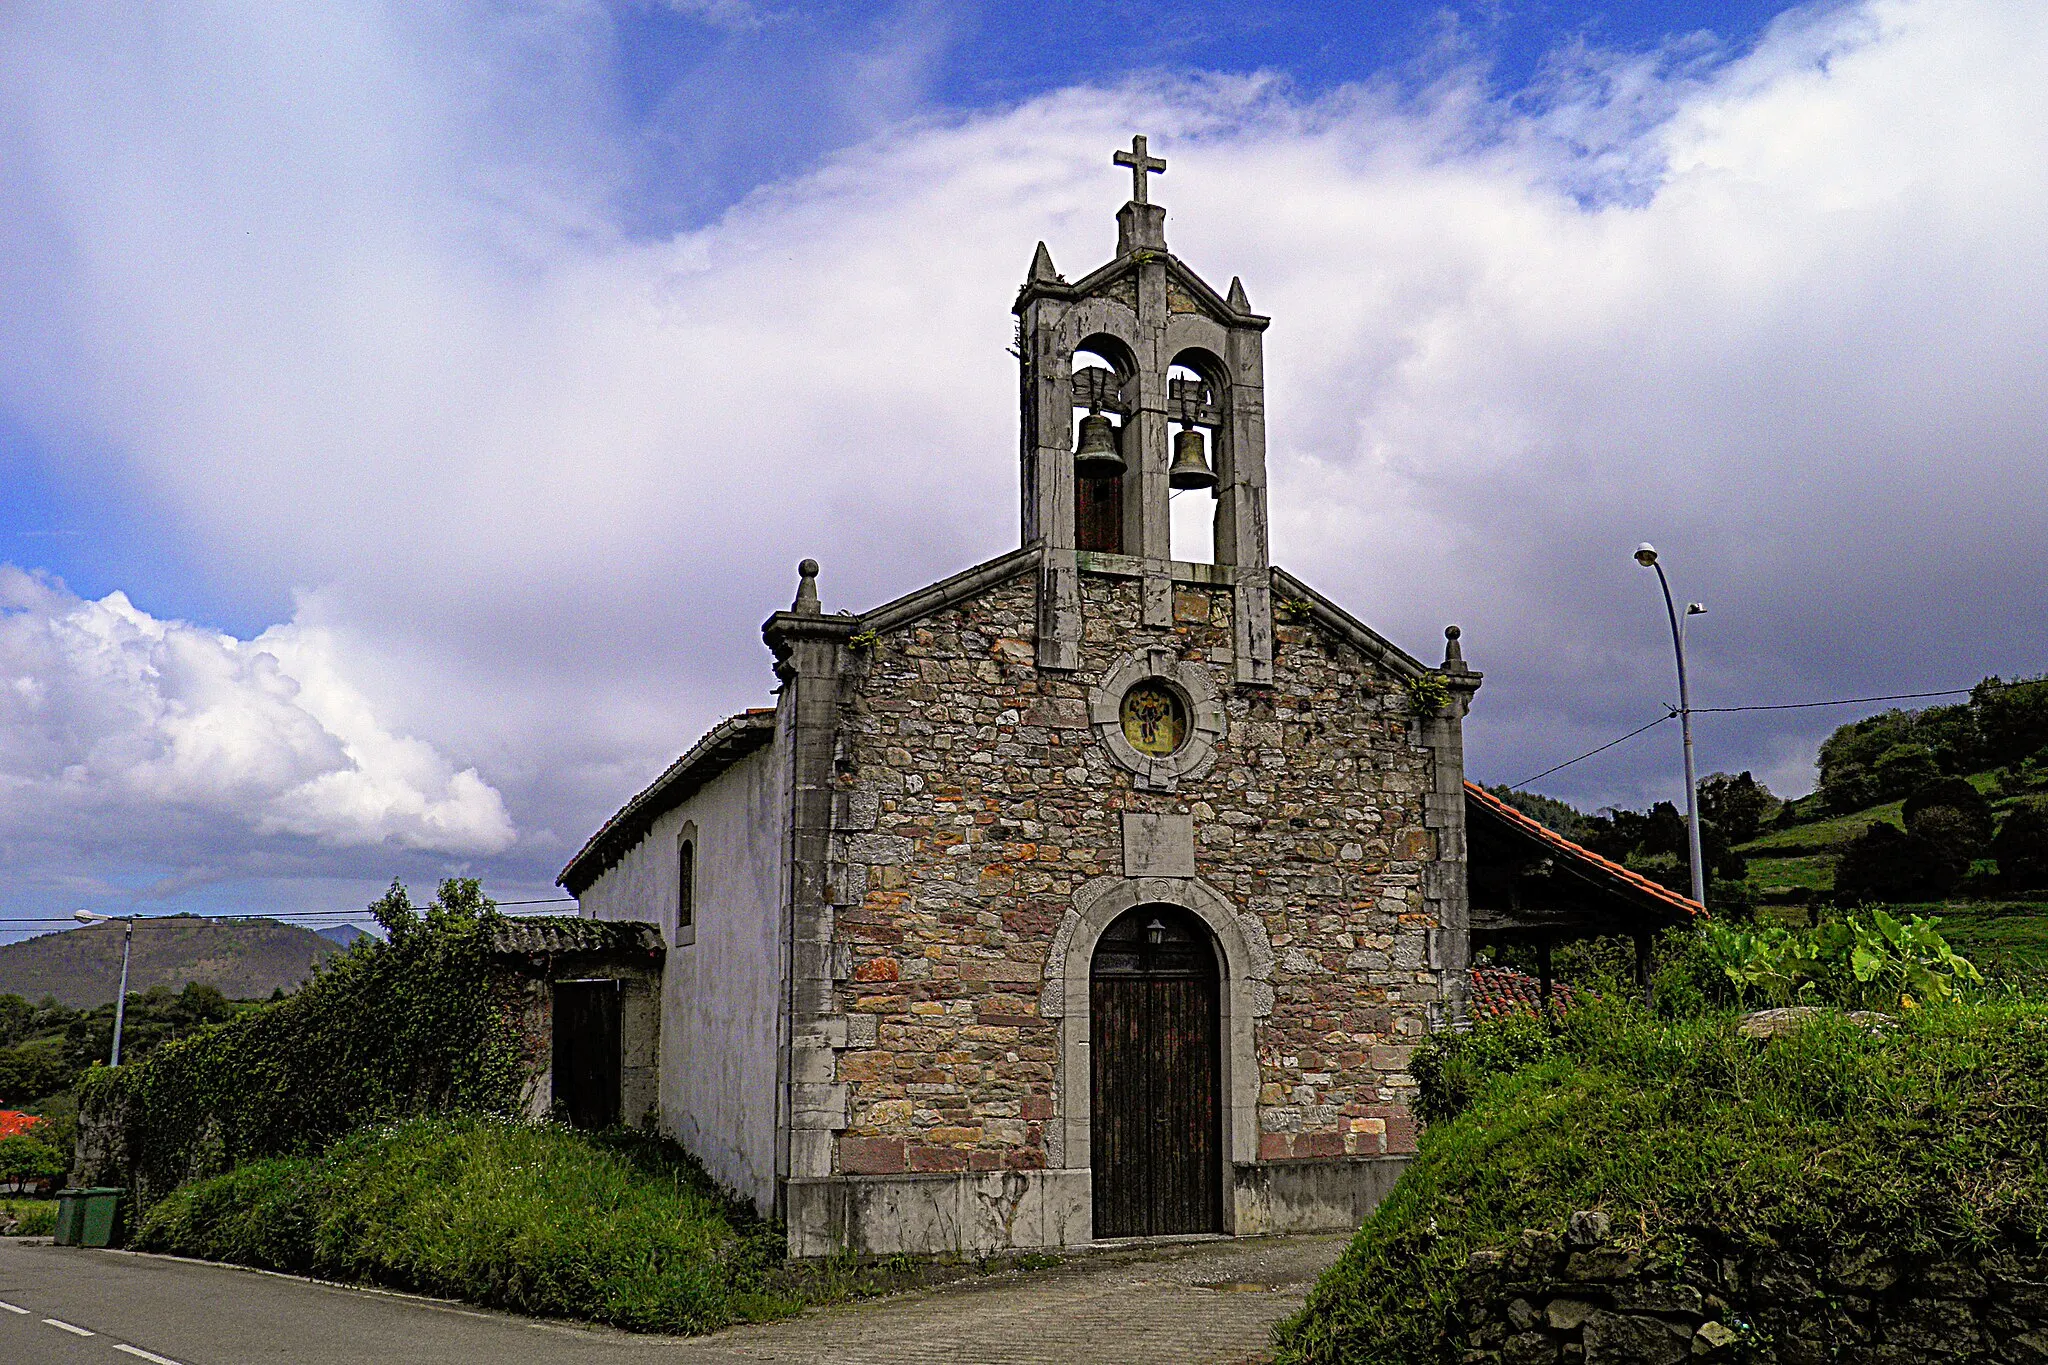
x=1454 y=654
x=807 y=589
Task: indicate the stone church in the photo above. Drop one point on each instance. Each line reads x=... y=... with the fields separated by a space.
x=1091 y=892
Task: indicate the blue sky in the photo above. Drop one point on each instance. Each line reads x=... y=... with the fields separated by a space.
x=407 y=415
x=780 y=86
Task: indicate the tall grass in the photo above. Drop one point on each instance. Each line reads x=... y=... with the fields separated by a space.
x=1926 y=1138
x=542 y=1220
x=28 y=1217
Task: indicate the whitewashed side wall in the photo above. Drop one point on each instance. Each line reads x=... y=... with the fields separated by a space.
x=722 y=987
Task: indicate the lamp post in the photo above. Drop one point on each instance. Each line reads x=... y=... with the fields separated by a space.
x=127 y=942
x=1646 y=555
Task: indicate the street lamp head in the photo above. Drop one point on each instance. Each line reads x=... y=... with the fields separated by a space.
x=1695 y=609
x=85 y=916
x=1646 y=554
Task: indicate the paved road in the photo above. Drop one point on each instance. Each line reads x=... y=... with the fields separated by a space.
x=1197 y=1304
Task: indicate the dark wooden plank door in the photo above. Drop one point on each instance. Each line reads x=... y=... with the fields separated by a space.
x=1099 y=514
x=1155 y=1132
x=586 y=1052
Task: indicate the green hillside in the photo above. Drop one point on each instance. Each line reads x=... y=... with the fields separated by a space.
x=243 y=959
x=1940 y=811
x=2001 y=927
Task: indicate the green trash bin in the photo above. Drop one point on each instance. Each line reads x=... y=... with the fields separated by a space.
x=70 y=1203
x=89 y=1217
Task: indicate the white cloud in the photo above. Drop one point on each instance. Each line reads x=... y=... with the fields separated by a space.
x=113 y=713
x=738 y=15
x=364 y=328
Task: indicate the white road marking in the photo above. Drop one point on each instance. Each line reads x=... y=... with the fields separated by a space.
x=141 y=1354
x=64 y=1326
x=12 y=1309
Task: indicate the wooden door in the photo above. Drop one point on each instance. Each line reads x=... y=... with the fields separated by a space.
x=1099 y=514
x=586 y=1052
x=1155 y=1130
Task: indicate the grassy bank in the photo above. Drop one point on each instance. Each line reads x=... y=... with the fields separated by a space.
x=1925 y=1137
x=541 y=1220
x=28 y=1217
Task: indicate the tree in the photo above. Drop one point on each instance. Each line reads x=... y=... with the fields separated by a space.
x=17 y=1017
x=1950 y=812
x=25 y=1157
x=1902 y=769
x=1885 y=863
x=2013 y=717
x=1560 y=816
x=30 y=1072
x=1654 y=843
x=1737 y=805
x=1849 y=756
x=153 y=1017
x=1955 y=736
x=2021 y=845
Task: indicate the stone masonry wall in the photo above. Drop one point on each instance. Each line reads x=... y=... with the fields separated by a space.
x=977 y=800
x=1590 y=1297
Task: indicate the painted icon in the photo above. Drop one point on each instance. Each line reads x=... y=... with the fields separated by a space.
x=1154 y=718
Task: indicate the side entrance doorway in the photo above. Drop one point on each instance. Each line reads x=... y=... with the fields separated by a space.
x=586 y=1048
x=1155 y=1138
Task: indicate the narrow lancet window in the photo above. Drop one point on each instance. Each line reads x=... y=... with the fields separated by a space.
x=686 y=885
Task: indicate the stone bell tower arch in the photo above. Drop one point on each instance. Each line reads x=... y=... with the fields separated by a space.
x=1144 y=312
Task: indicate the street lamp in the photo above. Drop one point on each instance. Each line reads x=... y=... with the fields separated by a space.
x=127 y=942
x=1646 y=555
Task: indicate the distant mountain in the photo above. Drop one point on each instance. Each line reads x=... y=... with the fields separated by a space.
x=343 y=934
x=245 y=959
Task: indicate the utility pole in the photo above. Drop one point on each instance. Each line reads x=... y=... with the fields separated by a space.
x=127 y=944
x=1646 y=555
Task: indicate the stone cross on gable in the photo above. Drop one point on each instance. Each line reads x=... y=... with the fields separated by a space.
x=1139 y=163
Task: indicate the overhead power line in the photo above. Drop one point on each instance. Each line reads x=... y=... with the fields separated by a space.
x=1672 y=714
x=1842 y=701
x=282 y=916
x=1590 y=752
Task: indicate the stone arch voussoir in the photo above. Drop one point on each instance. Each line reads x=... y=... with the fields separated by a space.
x=1247 y=996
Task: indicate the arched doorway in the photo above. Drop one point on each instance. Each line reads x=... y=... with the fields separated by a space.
x=1156 y=1135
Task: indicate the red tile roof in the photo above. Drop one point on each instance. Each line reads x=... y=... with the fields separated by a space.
x=1500 y=991
x=1633 y=881
x=13 y=1123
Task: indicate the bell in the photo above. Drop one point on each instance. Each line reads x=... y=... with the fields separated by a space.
x=1189 y=469
x=1097 y=458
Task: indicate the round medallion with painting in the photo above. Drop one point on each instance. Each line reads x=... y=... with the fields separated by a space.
x=1155 y=720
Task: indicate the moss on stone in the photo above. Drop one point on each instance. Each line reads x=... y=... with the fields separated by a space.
x=1924 y=1141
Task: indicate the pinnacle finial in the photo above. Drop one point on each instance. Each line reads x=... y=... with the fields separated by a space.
x=1042 y=271
x=1237 y=297
x=806 y=603
x=1140 y=163
x=1454 y=655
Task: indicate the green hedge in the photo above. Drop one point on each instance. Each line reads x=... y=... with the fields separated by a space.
x=616 y=1228
x=1919 y=1140
x=425 y=1022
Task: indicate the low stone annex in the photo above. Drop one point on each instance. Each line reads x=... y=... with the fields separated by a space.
x=1094 y=891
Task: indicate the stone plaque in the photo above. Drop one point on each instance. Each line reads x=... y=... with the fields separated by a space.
x=1159 y=845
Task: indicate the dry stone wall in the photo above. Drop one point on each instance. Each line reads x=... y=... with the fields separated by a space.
x=1590 y=1297
x=975 y=801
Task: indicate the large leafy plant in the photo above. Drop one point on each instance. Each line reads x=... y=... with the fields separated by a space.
x=1907 y=960
x=1862 y=959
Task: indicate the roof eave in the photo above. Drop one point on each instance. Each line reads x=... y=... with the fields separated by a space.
x=723 y=745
